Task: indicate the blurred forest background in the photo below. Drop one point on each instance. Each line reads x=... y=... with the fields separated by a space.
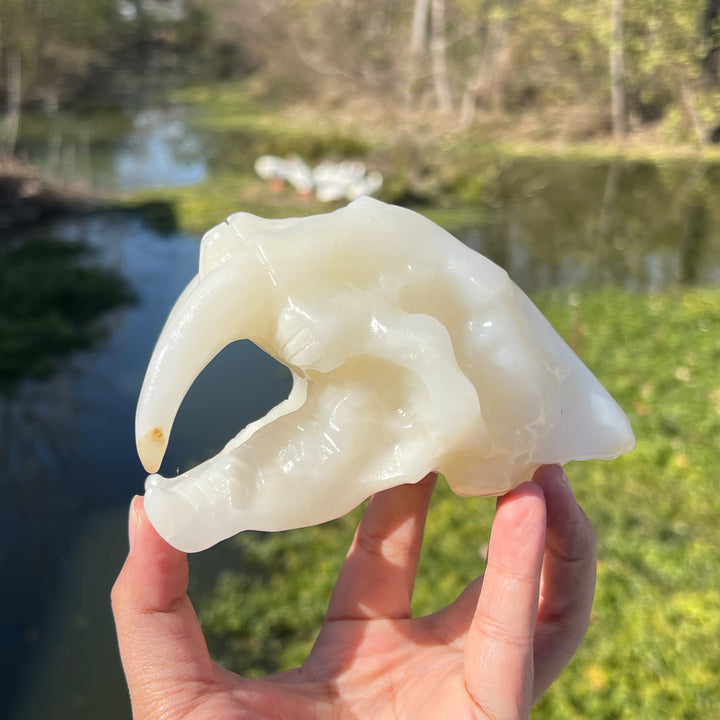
x=575 y=144
x=544 y=70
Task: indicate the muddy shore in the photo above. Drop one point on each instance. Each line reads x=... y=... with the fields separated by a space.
x=27 y=197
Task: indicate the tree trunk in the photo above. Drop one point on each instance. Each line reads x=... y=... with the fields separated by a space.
x=617 y=70
x=711 y=42
x=418 y=40
x=419 y=28
x=692 y=111
x=492 y=65
x=12 y=119
x=439 y=50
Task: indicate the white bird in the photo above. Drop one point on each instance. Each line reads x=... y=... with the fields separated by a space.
x=268 y=167
x=330 y=181
x=367 y=185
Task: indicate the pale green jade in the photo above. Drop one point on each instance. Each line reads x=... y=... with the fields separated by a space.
x=409 y=352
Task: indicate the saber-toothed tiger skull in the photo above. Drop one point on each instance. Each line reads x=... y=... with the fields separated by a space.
x=409 y=351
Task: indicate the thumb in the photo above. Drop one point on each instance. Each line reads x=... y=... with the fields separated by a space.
x=162 y=647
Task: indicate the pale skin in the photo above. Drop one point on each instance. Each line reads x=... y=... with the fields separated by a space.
x=491 y=654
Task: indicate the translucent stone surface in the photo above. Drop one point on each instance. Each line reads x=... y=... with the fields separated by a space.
x=409 y=351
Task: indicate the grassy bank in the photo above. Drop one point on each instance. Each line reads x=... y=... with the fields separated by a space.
x=358 y=123
x=653 y=649
x=424 y=164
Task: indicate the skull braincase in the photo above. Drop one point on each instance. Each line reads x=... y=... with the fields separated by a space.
x=409 y=351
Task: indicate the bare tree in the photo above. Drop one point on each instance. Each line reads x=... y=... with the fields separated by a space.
x=12 y=118
x=438 y=49
x=418 y=43
x=418 y=35
x=492 y=63
x=617 y=70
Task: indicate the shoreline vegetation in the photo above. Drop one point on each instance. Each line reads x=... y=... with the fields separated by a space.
x=447 y=83
x=426 y=161
x=427 y=164
x=27 y=196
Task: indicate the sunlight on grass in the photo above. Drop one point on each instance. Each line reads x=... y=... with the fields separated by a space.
x=653 y=649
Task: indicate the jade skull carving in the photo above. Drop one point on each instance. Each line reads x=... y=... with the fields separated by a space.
x=409 y=351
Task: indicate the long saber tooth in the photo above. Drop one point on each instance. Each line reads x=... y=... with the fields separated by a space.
x=231 y=303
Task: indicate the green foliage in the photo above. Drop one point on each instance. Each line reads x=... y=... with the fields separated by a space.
x=653 y=649
x=88 y=52
x=282 y=596
x=53 y=41
x=520 y=58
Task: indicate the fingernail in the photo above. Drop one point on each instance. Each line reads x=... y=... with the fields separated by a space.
x=133 y=520
x=555 y=471
x=552 y=473
x=562 y=475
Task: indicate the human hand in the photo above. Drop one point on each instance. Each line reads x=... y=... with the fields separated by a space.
x=491 y=654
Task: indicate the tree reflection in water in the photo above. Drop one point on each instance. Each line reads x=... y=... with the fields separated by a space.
x=37 y=427
x=642 y=226
x=53 y=302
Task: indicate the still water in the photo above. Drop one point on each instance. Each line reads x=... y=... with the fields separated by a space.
x=117 y=151
x=67 y=459
x=70 y=469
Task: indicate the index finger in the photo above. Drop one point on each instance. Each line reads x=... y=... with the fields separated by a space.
x=378 y=575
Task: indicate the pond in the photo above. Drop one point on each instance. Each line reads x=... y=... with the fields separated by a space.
x=69 y=466
x=114 y=150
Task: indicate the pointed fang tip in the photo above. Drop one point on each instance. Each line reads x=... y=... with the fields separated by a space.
x=151 y=448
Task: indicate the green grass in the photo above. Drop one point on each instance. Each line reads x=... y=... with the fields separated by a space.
x=244 y=107
x=653 y=649
x=197 y=208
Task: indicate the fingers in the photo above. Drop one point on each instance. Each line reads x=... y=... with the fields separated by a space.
x=378 y=576
x=499 y=648
x=161 y=644
x=568 y=578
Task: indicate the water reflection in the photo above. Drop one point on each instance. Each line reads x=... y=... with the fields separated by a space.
x=52 y=302
x=116 y=150
x=159 y=152
x=67 y=457
x=640 y=226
